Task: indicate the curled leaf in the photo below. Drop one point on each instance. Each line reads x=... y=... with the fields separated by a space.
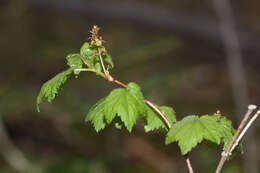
x=51 y=88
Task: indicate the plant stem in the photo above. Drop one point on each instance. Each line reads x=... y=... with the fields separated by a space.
x=109 y=78
x=163 y=117
x=92 y=70
x=87 y=63
x=149 y=104
x=119 y=83
x=188 y=163
x=158 y=111
x=226 y=153
x=245 y=129
x=145 y=100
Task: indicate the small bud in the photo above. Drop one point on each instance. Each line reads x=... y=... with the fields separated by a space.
x=98 y=42
x=92 y=42
x=217 y=113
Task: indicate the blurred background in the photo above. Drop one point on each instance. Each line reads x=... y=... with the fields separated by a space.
x=196 y=56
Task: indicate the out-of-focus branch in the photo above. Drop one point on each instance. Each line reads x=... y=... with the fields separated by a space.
x=10 y=152
x=237 y=72
x=234 y=55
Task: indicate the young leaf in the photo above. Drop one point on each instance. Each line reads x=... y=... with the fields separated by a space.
x=108 y=59
x=51 y=88
x=74 y=61
x=97 y=64
x=87 y=52
x=192 y=130
x=96 y=115
x=153 y=121
x=127 y=103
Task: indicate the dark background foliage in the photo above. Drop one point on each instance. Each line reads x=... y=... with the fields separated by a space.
x=173 y=49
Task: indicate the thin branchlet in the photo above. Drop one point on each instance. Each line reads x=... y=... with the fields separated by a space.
x=97 y=42
x=227 y=153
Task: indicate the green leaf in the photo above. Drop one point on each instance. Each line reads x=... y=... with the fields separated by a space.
x=121 y=106
x=97 y=64
x=74 y=61
x=96 y=115
x=86 y=50
x=88 y=53
x=192 y=130
x=153 y=121
x=51 y=88
x=228 y=131
x=127 y=103
x=108 y=59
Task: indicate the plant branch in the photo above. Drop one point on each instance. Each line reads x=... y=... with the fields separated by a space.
x=87 y=63
x=91 y=68
x=245 y=129
x=188 y=163
x=119 y=83
x=149 y=104
x=85 y=69
x=13 y=155
x=111 y=79
x=158 y=111
x=162 y=116
x=226 y=153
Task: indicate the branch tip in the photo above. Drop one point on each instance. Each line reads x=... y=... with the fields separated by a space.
x=252 y=107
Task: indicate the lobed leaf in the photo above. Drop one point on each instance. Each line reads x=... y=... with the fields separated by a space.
x=127 y=104
x=153 y=121
x=192 y=130
x=51 y=88
x=96 y=115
